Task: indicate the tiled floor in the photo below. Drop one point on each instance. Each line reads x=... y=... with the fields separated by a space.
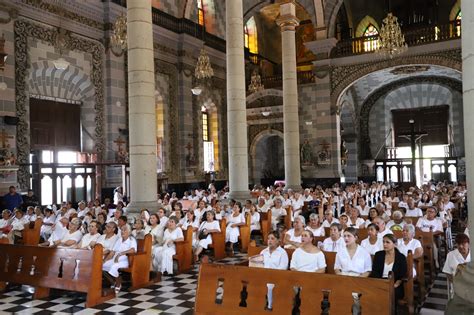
x=173 y=295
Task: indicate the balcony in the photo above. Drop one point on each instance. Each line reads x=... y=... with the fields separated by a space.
x=413 y=37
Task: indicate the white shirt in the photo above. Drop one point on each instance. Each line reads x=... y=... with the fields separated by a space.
x=316 y=232
x=416 y=212
x=386 y=269
x=424 y=224
x=372 y=248
x=333 y=246
x=363 y=211
x=412 y=245
x=454 y=259
x=172 y=236
x=276 y=260
x=122 y=246
x=293 y=238
x=309 y=262
x=360 y=262
x=75 y=236
x=19 y=224
x=58 y=234
x=380 y=235
x=255 y=221
x=360 y=223
x=107 y=243
x=326 y=223
x=88 y=239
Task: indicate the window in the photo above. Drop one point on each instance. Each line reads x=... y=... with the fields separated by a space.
x=458 y=23
x=250 y=36
x=200 y=12
x=205 y=124
x=371 y=42
x=208 y=146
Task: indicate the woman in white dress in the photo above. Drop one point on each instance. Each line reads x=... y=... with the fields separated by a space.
x=409 y=242
x=190 y=221
x=206 y=229
x=73 y=236
x=315 y=225
x=308 y=257
x=277 y=213
x=145 y=216
x=108 y=238
x=117 y=257
x=91 y=237
x=460 y=256
x=163 y=218
x=139 y=229
x=353 y=260
x=200 y=210
x=163 y=255
x=48 y=221
x=234 y=221
x=254 y=219
x=293 y=236
x=157 y=231
x=372 y=243
x=355 y=220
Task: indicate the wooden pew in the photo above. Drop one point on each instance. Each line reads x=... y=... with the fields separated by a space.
x=54 y=268
x=408 y=286
x=31 y=233
x=218 y=242
x=289 y=215
x=140 y=264
x=412 y=220
x=426 y=239
x=184 y=251
x=245 y=234
x=265 y=224
x=377 y=294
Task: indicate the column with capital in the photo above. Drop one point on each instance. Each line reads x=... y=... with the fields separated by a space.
x=142 y=116
x=463 y=301
x=236 y=103
x=288 y=22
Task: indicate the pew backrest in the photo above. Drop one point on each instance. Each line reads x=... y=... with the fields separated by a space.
x=31 y=233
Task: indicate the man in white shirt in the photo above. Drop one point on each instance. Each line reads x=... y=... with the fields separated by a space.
x=329 y=218
x=335 y=241
x=430 y=222
x=413 y=211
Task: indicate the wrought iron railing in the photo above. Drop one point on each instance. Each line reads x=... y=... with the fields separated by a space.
x=413 y=37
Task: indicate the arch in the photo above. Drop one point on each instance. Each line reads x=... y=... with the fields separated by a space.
x=455 y=10
x=330 y=15
x=211 y=15
x=364 y=23
x=364 y=143
x=267 y=92
x=73 y=84
x=253 y=148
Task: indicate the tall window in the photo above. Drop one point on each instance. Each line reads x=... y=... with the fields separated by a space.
x=250 y=36
x=205 y=124
x=200 y=12
x=208 y=146
x=371 y=42
x=458 y=23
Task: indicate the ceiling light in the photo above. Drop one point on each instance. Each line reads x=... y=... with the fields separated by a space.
x=197 y=90
x=61 y=64
x=266 y=113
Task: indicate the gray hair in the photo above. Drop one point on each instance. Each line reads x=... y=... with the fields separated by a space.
x=397 y=214
x=302 y=219
x=127 y=227
x=76 y=222
x=411 y=229
x=314 y=216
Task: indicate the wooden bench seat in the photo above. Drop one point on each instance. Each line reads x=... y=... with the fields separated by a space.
x=31 y=233
x=244 y=236
x=48 y=268
x=218 y=242
x=184 y=251
x=245 y=290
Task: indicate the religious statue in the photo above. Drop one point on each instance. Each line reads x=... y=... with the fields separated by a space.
x=121 y=154
x=306 y=153
x=324 y=155
x=7 y=157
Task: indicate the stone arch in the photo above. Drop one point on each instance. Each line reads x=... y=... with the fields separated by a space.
x=214 y=15
x=364 y=135
x=331 y=9
x=364 y=23
x=254 y=172
x=454 y=11
x=70 y=84
x=267 y=92
x=343 y=77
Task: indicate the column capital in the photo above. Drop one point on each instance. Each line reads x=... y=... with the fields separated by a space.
x=287 y=20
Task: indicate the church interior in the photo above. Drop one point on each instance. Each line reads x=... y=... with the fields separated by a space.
x=176 y=144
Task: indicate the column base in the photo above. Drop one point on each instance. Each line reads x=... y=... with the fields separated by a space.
x=293 y=187
x=463 y=284
x=240 y=195
x=134 y=207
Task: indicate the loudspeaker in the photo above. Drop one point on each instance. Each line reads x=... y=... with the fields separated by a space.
x=11 y=120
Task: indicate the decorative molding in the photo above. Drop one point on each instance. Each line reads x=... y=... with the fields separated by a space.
x=254 y=130
x=344 y=76
x=364 y=143
x=10 y=10
x=25 y=29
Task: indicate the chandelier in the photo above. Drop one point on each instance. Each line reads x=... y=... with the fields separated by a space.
x=119 y=36
x=255 y=83
x=203 y=67
x=391 y=39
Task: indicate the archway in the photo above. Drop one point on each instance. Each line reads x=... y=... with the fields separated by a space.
x=267 y=157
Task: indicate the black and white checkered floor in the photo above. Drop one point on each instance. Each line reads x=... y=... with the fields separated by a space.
x=173 y=295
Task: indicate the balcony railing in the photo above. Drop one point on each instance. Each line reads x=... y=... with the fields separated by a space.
x=276 y=81
x=413 y=37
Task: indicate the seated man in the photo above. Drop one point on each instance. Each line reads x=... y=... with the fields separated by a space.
x=59 y=229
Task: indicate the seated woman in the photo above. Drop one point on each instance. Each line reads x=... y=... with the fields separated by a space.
x=315 y=225
x=372 y=243
x=156 y=230
x=344 y=221
x=178 y=213
x=355 y=220
x=145 y=217
x=139 y=229
x=190 y=221
x=90 y=237
x=254 y=219
x=163 y=219
x=48 y=222
x=234 y=220
x=397 y=223
x=278 y=212
x=293 y=236
x=353 y=259
x=163 y=255
x=117 y=257
x=460 y=256
x=372 y=215
x=204 y=233
x=108 y=238
x=308 y=257
x=73 y=236
x=390 y=259
x=335 y=241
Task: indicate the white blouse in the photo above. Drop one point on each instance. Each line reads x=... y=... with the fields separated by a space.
x=309 y=262
x=414 y=212
x=412 y=245
x=372 y=248
x=330 y=246
x=424 y=224
x=316 y=232
x=454 y=259
x=276 y=260
x=359 y=263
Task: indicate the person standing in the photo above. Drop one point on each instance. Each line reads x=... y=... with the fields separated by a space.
x=12 y=199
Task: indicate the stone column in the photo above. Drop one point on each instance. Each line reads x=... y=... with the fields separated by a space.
x=236 y=106
x=463 y=302
x=142 y=116
x=291 y=137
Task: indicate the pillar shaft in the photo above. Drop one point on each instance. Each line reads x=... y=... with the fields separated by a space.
x=236 y=106
x=288 y=23
x=141 y=97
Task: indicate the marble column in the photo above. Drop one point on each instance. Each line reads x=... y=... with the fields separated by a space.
x=142 y=116
x=463 y=302
x=291 y=137
x=236 y=106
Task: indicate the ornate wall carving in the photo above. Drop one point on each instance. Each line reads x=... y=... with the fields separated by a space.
x=364 y=143
x=10 y=10
x=25 y=29
x=254 y=130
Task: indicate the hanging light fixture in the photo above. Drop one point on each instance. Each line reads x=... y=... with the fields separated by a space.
x=3 y=55
x=255 y=83
x=196 y=90
x=61 y=64
x=203 y=67
x=119 y=35
x=391 y=39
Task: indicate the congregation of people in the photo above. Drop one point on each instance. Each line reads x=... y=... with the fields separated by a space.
x=337 y=216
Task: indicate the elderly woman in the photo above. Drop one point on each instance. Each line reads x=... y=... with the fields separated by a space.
x=108 y=239
x=73 y=236
x=460 y=256
x=397 y=223
x=390 y=260
x=353 y=259
x=117 y=257
x=139 y=229
x=163 y=255
x=334 y=242
x=308 y=257
x=293 y=236
x=211 y=225
x=372 y=243
x=409 y=242
x=91 y=237
x=315 y=225
x=234 y=221
x=278 y=212
x=329 y=218
x=355 y=220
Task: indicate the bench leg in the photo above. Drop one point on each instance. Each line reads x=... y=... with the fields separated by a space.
x=40 y=293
